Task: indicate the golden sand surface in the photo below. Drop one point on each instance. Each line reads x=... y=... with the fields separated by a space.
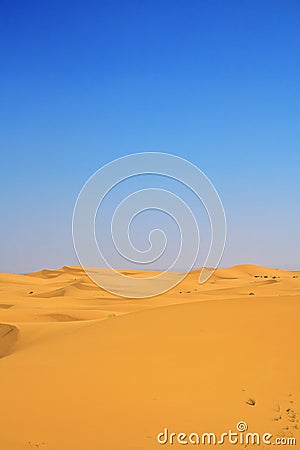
x=82 y=369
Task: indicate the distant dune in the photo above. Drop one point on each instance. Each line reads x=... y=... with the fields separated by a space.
x=82 y=369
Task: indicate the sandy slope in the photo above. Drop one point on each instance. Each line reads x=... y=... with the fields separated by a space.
x=82 y=369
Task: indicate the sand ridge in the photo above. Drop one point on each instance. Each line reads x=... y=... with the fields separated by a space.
x=84 y=369
x=8 y=339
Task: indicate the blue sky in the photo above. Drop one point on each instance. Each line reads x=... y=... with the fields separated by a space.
x=215 y=82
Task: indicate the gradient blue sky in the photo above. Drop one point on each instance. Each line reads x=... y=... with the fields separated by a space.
x=84 y=82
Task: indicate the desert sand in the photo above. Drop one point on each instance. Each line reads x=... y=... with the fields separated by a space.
x=82 y=369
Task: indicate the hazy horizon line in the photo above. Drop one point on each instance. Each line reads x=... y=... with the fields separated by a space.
x=290 y=269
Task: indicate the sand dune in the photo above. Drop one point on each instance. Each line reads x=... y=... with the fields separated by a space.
x=8 y=338
x=83 y=369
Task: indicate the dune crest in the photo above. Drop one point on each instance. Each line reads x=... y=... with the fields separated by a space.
x=91 y=370
x=8 y=339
